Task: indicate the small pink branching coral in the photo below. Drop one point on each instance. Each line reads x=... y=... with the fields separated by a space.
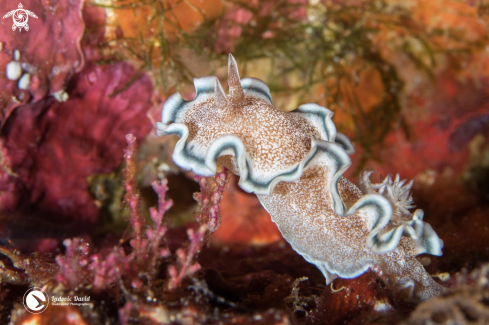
x=73 y=265
x=209 y=198
x=147 y=249
x=155 y=234
x=103 y=270
x=187 y=268
x=132 y=194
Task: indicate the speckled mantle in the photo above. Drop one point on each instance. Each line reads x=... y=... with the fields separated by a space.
x=294 y=161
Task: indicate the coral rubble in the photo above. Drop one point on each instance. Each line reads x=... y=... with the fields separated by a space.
x=465 y=304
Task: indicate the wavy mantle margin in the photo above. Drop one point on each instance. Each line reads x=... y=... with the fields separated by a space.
x=332 y=146
x=233 y=146
x=320 y=117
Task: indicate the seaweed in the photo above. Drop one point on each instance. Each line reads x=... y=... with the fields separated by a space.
x=326 y=49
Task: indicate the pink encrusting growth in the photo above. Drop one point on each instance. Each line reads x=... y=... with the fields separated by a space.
x=78 y=268
x=51 y=148
x=46 y=57
x=294 y=162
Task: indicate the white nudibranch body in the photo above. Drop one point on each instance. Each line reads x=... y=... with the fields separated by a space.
x=294 y=162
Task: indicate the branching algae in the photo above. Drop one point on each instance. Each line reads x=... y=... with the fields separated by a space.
x=294 y=162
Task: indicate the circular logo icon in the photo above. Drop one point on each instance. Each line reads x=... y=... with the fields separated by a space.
x=36 y=300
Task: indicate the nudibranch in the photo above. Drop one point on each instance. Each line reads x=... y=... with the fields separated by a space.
x=294 y=161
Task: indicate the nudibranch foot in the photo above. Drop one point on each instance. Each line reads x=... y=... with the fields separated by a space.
x=294 y=162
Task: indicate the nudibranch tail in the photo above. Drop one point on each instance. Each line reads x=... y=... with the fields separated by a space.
x=294 y=162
